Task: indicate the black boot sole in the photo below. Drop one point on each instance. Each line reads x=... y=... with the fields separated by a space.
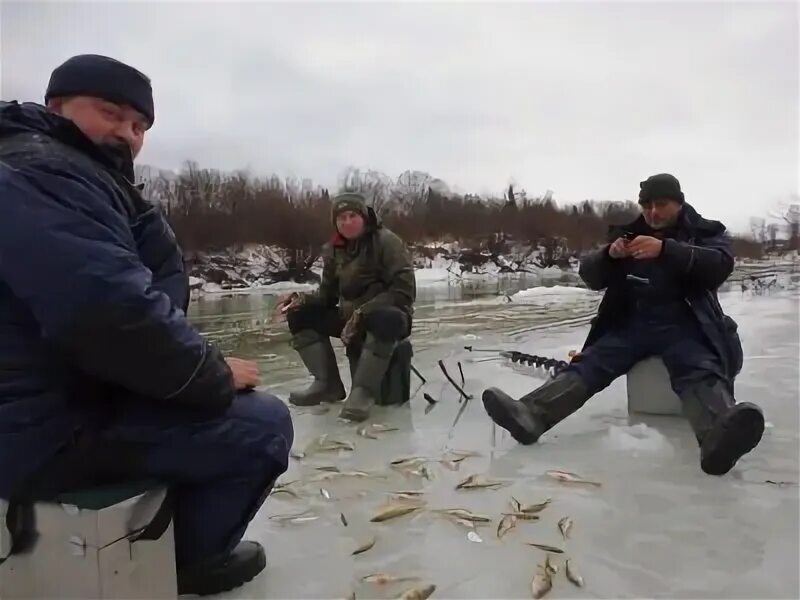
x=497 y=407
x=741 y=433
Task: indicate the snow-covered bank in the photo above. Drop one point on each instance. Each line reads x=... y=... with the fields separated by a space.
x=268 y=270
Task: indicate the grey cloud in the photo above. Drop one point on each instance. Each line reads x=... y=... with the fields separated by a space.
x=584 y=99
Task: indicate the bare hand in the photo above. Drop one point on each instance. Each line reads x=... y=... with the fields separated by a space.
x=286 y=303
x=350 y=328
x=619 y=249
x=245 y=373
x=644 y=247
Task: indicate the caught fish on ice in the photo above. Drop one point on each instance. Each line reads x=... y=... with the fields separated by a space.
x=394 y=510
x=550 y=567
x=567 y=477
x=535 y=508
x=507 y=523
x=364 y=547
x=290 y=516
x=572 y=573
x=475 y=482
x=541 y=583
x=383 y=578
x=565 y=526
x=462 y=513
x=418 y=593
x=546 y=547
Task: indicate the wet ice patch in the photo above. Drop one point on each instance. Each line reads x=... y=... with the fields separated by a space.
x=637 y=439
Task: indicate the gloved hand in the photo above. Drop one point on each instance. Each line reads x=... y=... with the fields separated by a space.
x=350 y=328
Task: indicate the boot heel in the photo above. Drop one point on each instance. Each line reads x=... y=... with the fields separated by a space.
x=739 y=433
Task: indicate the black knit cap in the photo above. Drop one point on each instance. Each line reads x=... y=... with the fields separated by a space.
x=102 y=77
x=658 y=186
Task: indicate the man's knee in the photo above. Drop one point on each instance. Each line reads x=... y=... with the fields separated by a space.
x=266 y=425
x=387 y=323
x=304 y=317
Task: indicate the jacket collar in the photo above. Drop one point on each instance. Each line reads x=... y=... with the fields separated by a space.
x=28 y=117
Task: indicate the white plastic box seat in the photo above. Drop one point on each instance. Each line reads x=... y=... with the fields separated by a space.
x=650 y=391
x=87 y=545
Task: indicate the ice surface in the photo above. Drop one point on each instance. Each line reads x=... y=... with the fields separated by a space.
x=657 y=527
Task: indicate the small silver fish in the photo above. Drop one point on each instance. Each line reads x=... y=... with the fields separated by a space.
x=343 y=519
x=507 y=523
x=572 y=574
x=410 y=461
x=461 y=513
x=383 y=578
x=565 y=526
x=535 y=508
x=364 y=431
x=418 y=593
x=404 y=496
x=522 y=516
x=473 y=482
x=462 y=454
x=325 y=493
x=285 y=491
x=328 y=468
x=304 y=519
x=394 y=510
x=550 y=567
x=289 y=517
x=541 y=583
x=381 y=428
x=546 y=547
x=364 y=547
x=297 y=455
x=567 y=477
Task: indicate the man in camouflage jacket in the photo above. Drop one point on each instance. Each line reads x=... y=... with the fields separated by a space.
x=366 y=297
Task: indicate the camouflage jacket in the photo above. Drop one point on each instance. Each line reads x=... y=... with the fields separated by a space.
x=371 y=272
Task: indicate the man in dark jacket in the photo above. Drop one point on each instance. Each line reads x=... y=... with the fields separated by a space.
x=661 y=273
x=366 y=297
x=102 y=378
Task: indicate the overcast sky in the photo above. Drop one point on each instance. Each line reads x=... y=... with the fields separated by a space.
x=586 y=99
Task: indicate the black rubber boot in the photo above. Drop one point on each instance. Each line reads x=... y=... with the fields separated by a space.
x=527 y=419
x=726 y=431
x=317 y=355
x=224 y=573
x=372 y=365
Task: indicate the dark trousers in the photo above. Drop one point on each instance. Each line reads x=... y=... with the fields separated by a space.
x=689 y=360
x=387 y=323
x=219 y=466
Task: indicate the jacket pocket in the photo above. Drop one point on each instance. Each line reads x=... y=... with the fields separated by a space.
x=731 y=331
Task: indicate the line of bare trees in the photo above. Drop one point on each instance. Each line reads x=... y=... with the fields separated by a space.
x=213 y=210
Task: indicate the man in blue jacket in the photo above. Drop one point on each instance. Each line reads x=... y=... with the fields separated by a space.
x=102 y=378
x=661 y=275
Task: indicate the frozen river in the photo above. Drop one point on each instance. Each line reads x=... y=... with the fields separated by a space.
x=656 y=527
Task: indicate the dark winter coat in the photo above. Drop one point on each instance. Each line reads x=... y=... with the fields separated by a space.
x=373 y=271
x=699 y=258
x=93 y=295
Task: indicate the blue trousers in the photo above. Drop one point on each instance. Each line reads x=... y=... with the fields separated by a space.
x=220 y=466
x=679 y=341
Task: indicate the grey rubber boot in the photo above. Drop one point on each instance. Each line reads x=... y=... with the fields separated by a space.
x=372 y=365
x=527 y=419
x=725 y=430
x=317 y=355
